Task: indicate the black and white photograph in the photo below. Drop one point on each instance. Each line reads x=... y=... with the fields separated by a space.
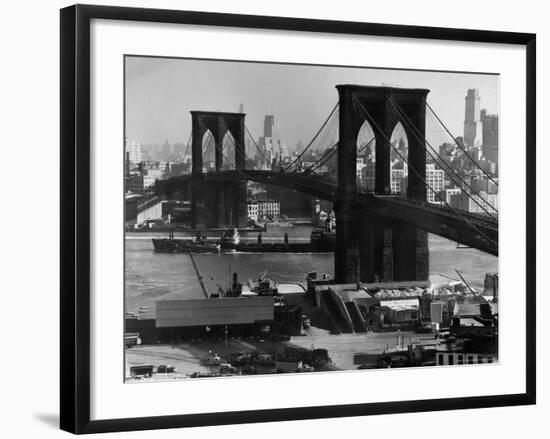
x=275 y=220
x=294 y=218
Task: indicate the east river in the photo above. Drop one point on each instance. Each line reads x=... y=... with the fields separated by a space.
x=153 y=276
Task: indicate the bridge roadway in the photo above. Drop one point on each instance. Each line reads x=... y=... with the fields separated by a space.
x=469 y=229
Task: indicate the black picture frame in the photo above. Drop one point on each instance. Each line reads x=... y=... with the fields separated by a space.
x=75 y=217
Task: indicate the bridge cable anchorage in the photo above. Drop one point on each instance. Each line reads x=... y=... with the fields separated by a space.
x=313 y=139
x=256 y=145
x=416 y=133
x=459 y=145
x=373 y=122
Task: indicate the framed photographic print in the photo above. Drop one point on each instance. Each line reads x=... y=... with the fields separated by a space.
x=268 y=218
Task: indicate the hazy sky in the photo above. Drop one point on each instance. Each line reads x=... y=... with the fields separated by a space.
x=160 y=92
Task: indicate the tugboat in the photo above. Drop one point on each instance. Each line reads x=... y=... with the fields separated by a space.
x=321 y=242
x=230 y=239
x=235 y=290
x=263 y=286
x=198 y=245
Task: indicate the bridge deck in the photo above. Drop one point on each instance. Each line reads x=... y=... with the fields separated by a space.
x=473 y=230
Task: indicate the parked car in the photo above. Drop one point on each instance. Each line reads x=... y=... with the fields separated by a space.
x=145 y=370
x=227 y=369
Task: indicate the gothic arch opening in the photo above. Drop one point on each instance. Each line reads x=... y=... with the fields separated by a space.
x=399 y=153
x=228 y=151
x=366 y=158
x=208 y=152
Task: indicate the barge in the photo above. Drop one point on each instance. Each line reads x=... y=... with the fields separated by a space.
x=198 y=245
x=320 y=242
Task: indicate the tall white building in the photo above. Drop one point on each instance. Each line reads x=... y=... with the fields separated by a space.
x=436 y=181
x=133 y=149
x=473 y=129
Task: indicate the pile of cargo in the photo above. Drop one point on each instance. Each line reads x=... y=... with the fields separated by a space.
x=397 y=293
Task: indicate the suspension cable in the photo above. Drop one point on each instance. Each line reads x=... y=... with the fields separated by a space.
x=369 y=117
x=313 y=139
x=323 y=140
x=327 y=155
x=262 y=155
x=187 y=147
x=208 y=144
x=459 y=145
x=226 y=158
x=422 y=139
x=251 y=162
x=416 y=133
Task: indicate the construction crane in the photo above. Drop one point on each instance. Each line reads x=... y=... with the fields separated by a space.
x=466 y=283
x=199 y=276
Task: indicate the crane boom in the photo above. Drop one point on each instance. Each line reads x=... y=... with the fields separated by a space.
x=465 y=283
x=201 y=281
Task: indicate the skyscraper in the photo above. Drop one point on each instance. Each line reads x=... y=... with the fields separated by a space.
x=269 y=126
x=133 y=151
x=472 y=122
x=490 y=136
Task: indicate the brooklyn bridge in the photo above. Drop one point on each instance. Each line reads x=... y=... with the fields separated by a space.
x=380 y=235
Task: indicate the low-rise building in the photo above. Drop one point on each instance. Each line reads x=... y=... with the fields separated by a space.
x=450 y=358
x=253 y=211
x=446 y=194
x=143 y=182
x=401 y=311
x=481 y=203
x=399 y=180
x=268 y=209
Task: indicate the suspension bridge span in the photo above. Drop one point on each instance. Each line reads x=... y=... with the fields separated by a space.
x=380 y=235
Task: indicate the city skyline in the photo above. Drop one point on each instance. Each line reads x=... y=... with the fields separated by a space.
x=160 y=92
x=314 y=262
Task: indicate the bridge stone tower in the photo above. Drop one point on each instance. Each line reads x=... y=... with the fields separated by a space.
x=217 y=204
x=370 y=248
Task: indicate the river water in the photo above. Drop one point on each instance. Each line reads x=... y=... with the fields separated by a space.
x=153 y=276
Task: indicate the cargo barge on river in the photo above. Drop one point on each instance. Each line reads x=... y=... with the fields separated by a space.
x=320 y=242
x=198 y=245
